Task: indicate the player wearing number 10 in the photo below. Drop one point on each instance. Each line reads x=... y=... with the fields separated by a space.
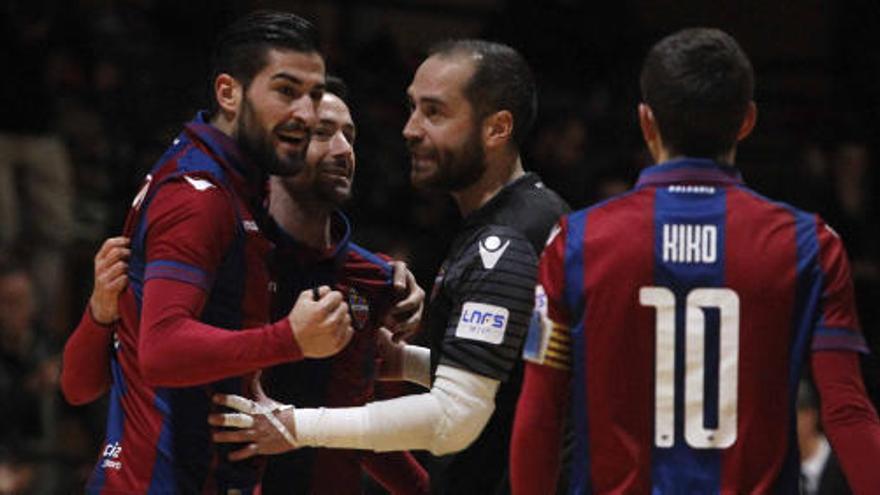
x=676 y=319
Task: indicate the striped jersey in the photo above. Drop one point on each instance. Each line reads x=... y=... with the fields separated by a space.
x=346 y=379
x=683 y=312
x=158 y=439
x=478 y=315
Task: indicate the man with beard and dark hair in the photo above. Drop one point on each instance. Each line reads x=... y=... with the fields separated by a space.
x=314 y=248
x=472 y=102
x=192 y=319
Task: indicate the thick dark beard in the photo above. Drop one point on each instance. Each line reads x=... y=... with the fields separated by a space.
x=457 y=172
x=257 y=145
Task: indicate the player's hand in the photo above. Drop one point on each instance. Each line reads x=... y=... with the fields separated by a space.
x=406 y=316
x=111 y=277
x=321 y=325
x=264 y=424
x=390 y=355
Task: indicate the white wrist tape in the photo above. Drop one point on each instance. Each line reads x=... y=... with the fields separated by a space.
x=447 y=419
x=417 y=365
x=248 y=409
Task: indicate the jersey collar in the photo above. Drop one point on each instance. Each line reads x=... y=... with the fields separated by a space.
x=340 y=232
x=244 y=174
x=690 y=171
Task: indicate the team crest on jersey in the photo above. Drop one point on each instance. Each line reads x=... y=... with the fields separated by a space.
x=359 y=307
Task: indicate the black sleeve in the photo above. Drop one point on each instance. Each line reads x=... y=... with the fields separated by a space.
x=492 y=303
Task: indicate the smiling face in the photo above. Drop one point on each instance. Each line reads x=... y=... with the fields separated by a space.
x=278 y=110
x=330 y=160
x=443 y=134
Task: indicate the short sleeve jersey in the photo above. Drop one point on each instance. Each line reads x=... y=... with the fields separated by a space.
x=479 y=313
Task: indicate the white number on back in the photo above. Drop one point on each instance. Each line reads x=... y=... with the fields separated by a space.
x=696 y=434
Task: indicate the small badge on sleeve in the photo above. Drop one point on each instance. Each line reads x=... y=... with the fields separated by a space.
x=483 y=322
x=539 y=329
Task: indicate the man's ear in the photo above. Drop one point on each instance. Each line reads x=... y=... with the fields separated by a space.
x=498 y=129
x=229 y=94
x=748 y=122
x=650 y=131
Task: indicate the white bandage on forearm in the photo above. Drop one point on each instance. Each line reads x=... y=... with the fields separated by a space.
x=447 y=419
x=417 y=365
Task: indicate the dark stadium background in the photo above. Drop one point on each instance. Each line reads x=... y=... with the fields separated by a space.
x=115 y=79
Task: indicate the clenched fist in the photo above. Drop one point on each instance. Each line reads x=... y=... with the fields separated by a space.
x=321 y=322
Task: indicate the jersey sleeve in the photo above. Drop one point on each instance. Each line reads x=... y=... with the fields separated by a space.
x=848 y=417
x=85 y=365
x=838 y=326
x=549 y=340
x=540 y=410
x=191 y=223
x=492 y=303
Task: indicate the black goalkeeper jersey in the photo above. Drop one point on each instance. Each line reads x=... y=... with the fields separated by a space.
x=478 y=316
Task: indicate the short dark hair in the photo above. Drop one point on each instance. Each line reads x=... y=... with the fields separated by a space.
x=336 y=86
x=698 y=83
x=241 y=48
x=502 y=80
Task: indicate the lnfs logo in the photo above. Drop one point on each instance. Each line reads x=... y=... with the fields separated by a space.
x=483 y=318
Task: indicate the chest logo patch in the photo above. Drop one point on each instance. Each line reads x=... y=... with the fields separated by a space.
x=483 y=322
x=491 y=250
x=359 y=307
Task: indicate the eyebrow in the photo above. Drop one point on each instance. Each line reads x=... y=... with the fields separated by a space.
x=297 y=81
x=433 y=99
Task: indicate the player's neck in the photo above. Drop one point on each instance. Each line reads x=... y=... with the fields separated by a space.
x=663 y=155
x=306 y=221
x=503 y=171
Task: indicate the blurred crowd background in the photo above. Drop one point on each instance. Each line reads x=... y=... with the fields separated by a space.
x=92 y=91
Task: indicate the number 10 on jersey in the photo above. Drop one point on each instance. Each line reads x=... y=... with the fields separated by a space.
x=696 y=434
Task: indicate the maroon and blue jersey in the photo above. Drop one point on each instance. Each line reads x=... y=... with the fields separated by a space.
x=194 y=223
x=682 y=313
x=343 y=380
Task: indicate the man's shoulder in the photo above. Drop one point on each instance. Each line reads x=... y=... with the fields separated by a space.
x=492 y=248
x=531 y=209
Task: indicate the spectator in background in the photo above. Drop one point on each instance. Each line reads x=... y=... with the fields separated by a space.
x=33 y=159
x=820 y=470
x=28 y=385
x=558 y=153
x=28 y=366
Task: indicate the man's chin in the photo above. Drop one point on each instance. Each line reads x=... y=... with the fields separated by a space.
x=286 y=168
x=424 y=181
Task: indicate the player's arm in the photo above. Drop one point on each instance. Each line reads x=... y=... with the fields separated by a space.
x=185 y=245
x=445 y=420
x=402 y=361
x=478 y=353
x=85 y=370
x=848 y=417
x=540 y=411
